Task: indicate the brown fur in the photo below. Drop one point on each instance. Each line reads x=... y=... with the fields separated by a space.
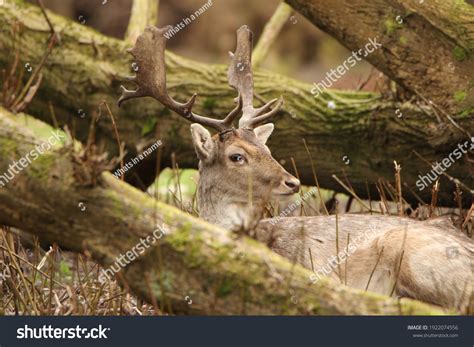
x=224 y=196
x=428 y=272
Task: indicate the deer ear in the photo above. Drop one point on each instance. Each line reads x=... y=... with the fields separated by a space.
x=203 y=143
x=263 y=132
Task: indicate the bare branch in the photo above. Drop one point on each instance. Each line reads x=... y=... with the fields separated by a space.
x=144 y=13
x=270 y=32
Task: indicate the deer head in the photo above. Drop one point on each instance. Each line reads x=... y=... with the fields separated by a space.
x=238 y=174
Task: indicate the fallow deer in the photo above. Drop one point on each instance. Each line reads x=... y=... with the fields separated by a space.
x=429 y=261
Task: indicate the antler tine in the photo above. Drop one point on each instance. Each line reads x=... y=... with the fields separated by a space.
x=240 y=77
x=149 y=54
x=229 y=119
x=259 y=118
x=128 y=94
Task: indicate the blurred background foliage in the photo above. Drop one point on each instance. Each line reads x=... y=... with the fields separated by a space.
x=301 y=50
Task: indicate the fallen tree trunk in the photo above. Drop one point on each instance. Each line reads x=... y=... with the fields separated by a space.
x=192 y=257
x=357 y=128
x=427 y=46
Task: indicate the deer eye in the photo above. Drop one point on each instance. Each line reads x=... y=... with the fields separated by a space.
x=237 y=158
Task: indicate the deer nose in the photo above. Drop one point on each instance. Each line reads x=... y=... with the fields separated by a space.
x=293 y=184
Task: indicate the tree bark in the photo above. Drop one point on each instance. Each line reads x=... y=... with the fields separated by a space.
x=222 y=273
x=87 y=68
x=427 y=46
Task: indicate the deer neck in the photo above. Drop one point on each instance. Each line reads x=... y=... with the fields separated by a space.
x=219 y=204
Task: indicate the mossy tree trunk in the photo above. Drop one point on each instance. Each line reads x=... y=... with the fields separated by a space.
x=87 y=68
x=427 y=46
x=222 y=273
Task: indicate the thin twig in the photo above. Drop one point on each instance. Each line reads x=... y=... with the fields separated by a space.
x=117 y=136
x=315 y=177
x=451 y=178
x=351 y=192
x=347 y=256
x=35 y=268
x=34 y=76
x=373 y=270
x=311 y=258
x=400 y=262
x=337 y=241
x=451 y=120
x=398 y=181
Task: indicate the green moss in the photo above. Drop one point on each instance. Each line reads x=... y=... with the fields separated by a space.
x=226 y=287
x=209 y=103
x=167 y=278
x=410 y=307
x=116 y=202
x=42 y=131
x=403 y=40
x=189 y=244
x=391 y=26
x=7 y=147
x=163 y=281
x=460 y=95
x=465 y=113
x=459 y=53
x=149 y=125
x=42 y=167
x=180 y=239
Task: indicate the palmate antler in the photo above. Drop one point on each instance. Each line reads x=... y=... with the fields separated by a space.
x=149 y=54
x=240 y=77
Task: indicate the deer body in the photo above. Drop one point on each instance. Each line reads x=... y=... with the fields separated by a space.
x=430 y=261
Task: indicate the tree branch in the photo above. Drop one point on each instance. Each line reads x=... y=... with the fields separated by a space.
x=270 y=33
x=144 y=13
x=427 y=47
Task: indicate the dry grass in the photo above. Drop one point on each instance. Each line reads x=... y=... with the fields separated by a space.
x=34 y=281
